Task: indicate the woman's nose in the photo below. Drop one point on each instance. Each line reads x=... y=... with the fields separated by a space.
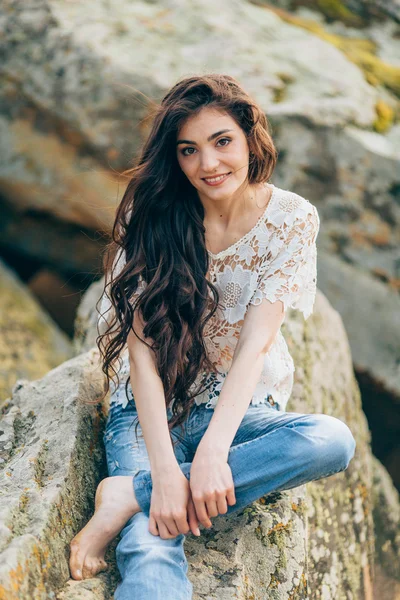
x=208 y=162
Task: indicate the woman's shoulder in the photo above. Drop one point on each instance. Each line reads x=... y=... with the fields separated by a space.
x=290 y=207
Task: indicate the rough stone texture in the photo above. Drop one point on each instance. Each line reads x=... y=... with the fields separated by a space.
x=50 y=442
x=86 y=318
x=63 y=247
x=30 y=342
x=357 y=13
x=352 y=177
x=339 y=563
x=376 y=347
x=69 y=86
x=387 y=520
x=319 y=537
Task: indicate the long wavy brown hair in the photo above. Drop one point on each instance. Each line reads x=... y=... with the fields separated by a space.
x=159 y=227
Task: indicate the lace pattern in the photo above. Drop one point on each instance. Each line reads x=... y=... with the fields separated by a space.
x=276 y=260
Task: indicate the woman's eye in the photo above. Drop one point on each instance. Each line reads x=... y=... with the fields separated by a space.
x=225 y=140
x=184 y=151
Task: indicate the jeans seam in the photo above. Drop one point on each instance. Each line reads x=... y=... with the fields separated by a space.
x=189 y=589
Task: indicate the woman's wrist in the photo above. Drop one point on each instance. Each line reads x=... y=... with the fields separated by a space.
x=210 y=447
x=164 y=465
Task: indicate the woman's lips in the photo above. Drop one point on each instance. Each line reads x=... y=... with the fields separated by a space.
x=218 y=181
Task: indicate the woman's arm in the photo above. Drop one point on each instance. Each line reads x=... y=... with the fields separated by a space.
x=211 y=480
x=148 y=392
x=259 y=330
x=172 y=510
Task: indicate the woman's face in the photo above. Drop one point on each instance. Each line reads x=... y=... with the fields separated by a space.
x=212 y=144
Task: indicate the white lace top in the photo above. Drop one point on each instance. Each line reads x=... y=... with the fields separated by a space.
x=275 y=260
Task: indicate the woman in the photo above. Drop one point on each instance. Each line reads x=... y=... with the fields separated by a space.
x=209 y=257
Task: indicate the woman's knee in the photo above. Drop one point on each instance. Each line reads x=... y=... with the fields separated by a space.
x=335 y=445
x=331 y=445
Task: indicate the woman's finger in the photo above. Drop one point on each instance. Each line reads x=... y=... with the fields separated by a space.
x=164 y=533
x=171 y=526
x=201 y=512
x=182 y=524
x=153 y=526
x=212 y=508
x=222 y=505
x=230 y=496
x=193 y=523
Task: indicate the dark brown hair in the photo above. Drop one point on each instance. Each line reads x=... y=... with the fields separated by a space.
x=159 y=227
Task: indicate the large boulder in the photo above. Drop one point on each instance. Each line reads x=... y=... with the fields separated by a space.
x=319 y=537
x=30 y=342
x=50 y=442
x=355 y=13
x=339 y=511
x=71 y=87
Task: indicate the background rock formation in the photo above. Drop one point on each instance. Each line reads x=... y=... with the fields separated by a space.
x=30 y=342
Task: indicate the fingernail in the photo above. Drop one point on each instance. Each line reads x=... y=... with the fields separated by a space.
x=197 y=531
x=79 y=572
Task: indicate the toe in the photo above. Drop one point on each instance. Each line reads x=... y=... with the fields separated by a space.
x=90 y=568
x=104 y=565
x=75 y=561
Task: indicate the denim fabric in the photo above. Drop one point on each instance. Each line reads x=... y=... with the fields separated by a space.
x=272 y=451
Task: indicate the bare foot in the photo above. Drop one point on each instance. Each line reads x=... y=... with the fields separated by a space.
x=115 y=504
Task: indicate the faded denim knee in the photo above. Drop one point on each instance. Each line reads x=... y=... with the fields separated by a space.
x=334 y=444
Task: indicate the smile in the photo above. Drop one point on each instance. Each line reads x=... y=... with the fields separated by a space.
x=216 y=180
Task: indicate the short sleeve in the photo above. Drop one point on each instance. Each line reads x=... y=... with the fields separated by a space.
x=291 y=275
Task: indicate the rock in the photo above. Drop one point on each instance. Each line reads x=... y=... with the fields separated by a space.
x=387 y=520
x=319 y=536
x=352 y=178
x=360 y=299
x=86 y=318
x=30 y=342
x=54 y=459
x=356 y=13
x=57 y=296
x=31 y=240
x=338 y=561
x=71 y=88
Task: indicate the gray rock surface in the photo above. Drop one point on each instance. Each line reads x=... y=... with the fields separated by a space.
x=339 y=556
x=70 y=87
x=375 y=348
x=318 y=537
x=50 y=442
x=355 y=12
x=30 y=342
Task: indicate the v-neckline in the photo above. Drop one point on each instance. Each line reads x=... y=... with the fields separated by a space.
x=243 y=238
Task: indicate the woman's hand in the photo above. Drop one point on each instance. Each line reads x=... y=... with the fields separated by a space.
x=211 y=484
x=172 y=511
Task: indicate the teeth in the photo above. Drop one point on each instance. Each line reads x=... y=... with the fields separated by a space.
x=212 y=179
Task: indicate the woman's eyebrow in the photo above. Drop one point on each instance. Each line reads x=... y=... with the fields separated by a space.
x=211 y=137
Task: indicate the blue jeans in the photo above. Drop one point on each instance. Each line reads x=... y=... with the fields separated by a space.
x=272 y=451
